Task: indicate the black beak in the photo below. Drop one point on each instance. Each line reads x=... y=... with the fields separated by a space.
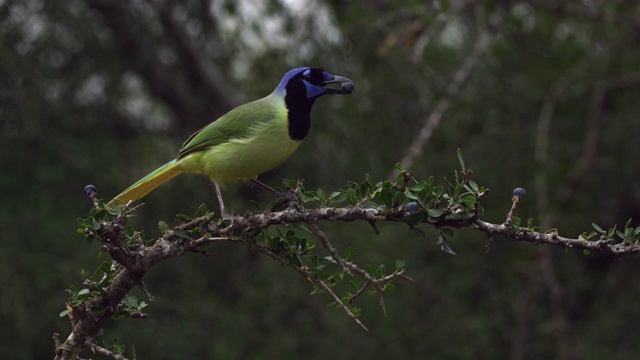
x=346 y=85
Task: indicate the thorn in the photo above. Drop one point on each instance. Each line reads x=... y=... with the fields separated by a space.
x=374 y=226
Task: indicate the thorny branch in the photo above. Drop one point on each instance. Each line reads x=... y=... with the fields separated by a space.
x=131 y=266
x=351 y=268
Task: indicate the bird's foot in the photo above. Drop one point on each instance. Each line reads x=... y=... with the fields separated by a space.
x=225 y=215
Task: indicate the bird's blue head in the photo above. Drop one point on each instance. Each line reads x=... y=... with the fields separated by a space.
x=311 y=82
x=299 y=89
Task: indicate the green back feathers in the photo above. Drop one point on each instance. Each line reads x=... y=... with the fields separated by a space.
x=239 y=123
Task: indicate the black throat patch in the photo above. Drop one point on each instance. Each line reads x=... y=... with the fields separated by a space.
x=298 y=109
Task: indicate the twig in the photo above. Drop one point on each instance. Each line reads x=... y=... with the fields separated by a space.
x=342 y=305
x=100 y=350
x=307 y=275
x=143 y=287
x=327 y=245
x=604 y=246
x=351 y=268
x=514 y=204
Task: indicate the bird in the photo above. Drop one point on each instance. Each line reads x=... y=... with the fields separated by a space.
x=250 y=139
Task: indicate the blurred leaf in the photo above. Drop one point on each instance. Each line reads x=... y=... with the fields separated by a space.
x=202 y=209
x=434 y=212
x=597 y=228
x=164 y=228
x=460 y=160
x=181 y=233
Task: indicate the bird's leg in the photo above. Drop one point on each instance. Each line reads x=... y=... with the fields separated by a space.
x=223 y=210
x=290 y=196
x=266 y=187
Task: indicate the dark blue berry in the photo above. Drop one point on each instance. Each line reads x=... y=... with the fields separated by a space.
x=520 y=193
x=348 y=87
x=412 y=207
x=90 y=190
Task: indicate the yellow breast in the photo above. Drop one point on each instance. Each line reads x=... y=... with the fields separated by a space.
x=267 y=147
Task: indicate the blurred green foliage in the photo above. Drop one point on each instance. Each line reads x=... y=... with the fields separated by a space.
x=92 y=93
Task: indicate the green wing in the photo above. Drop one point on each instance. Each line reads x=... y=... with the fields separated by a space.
x=238 y=123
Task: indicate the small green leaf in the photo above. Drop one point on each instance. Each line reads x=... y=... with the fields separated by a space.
x=164 y=228
x=468 y=200
x=320 y=195
x=400 y=265
x=370 y=270
x=105 y=267
x=410 y=195
x=626 y=226
x=64 y=313
x=368 y=181
x=597 y=228
x=337 y=197
x=350 y=254
x=399 y=166
x=447 y=232
x=418 y=187
x=446 y=248
x=288 y=183
x=530 y=223
x=202 y=209
x=183 y=217
x=434 y=212
x=299 y=258
x=315 y=263
x=181 y=233
x=420 y=234
x=300 y=226
x=130 y=301
x=473 y=185
x=329 y=259
x=351 y=196
x=384 y=197
x=353 y=285
x=460 y=160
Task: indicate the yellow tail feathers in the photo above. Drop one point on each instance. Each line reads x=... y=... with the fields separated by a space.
x=145 y=185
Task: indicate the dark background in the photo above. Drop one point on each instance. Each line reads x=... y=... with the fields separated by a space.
x=92 y=92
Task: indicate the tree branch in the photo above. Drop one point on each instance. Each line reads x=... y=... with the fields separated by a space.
x=133 y=258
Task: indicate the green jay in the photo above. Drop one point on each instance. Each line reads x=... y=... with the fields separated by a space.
x=250 y=139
